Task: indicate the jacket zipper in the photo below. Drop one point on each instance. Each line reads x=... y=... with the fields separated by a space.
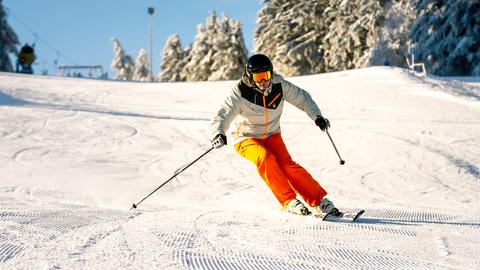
x=266 y=118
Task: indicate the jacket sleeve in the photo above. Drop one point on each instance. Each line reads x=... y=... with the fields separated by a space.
x=227 y=112
x=301 y=99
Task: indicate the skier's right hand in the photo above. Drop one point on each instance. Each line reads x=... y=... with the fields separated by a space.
x=219 y=141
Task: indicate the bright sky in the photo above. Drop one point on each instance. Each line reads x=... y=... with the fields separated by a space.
x=81 y=30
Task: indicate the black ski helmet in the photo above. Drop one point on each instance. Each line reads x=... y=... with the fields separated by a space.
x=258 y=63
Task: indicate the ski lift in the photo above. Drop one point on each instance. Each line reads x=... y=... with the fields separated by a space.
x=93 y=71
x=413 y=66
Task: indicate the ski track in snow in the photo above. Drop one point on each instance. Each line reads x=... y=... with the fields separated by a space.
x=76 y=153
x=387 y=239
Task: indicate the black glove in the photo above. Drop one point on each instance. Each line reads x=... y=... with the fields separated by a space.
x=219 y=141
x=322 y=123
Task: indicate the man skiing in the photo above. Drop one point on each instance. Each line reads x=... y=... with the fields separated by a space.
x=256 y=103
x=26 y=57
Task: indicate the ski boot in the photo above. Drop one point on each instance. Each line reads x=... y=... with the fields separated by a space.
x=296 y=207
x=326 y=206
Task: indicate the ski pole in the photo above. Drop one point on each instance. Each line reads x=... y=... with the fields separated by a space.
x=176 y=173
x=338 y=154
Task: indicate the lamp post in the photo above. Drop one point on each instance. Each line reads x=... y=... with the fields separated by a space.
x=151 y=10
x=3 y=58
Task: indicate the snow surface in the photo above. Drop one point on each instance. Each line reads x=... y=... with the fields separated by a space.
x=76 y=153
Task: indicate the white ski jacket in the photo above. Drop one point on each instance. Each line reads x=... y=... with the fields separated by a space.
x=258 y=114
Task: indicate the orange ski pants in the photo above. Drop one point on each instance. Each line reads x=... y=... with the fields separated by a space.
x=284 y=177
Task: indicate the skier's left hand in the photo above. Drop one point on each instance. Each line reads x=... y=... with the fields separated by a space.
x=322 y=123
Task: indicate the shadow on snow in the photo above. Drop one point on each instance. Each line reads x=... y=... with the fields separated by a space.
x=7 y=100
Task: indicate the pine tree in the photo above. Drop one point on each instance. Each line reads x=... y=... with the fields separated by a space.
x=267 y=35
x=229 y=50
x=394 y=36
x=218 y=52
x=290 y=33
x=187 y=57
x=352 y=34
x=172 y=60
x=308 y=37
x=122 y=62
x=142 y=67
x=198 y=68
x=8 y=41
x=446 y=37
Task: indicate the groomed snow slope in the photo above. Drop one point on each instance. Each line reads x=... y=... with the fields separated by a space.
x=76 y=153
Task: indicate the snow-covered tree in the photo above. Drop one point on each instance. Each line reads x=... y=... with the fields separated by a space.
x=290 y=33
x=305 y=37
x=229 y=49
x=446 y=37
x=122 y=62
x=353 y=33
x=172 y=60
x=218 y=48
x=198 y=68
x=187 y=57
x=8 y=41
x=142 y=67
x=394 y=35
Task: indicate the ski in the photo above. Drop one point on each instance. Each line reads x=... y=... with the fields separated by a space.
x=350 y=216
x=345 y=217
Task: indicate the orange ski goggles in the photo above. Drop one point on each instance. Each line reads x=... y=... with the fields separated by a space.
x=258 y=77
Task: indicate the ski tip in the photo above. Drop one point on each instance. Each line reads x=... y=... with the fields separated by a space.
x=360 y=213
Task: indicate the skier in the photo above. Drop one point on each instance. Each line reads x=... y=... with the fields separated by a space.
x=256 y=102
x=26 y=57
